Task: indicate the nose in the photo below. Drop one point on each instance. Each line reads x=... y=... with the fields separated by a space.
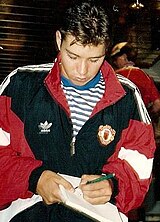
x=82 y=68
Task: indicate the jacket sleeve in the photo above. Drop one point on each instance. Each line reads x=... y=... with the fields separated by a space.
x=133 y=159
x=16 y=158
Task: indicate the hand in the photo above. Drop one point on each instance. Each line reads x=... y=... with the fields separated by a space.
x=96 y=193
x=48 y=186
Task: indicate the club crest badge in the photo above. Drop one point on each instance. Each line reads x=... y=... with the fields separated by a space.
x=106 y=134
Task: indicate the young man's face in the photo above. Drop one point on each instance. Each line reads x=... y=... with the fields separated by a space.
x=79 y=63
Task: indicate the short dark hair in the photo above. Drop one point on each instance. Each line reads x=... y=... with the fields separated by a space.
x=87 y=22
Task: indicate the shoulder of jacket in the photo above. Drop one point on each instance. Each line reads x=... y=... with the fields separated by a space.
x=125 y=81
x=26 y=72
x=129 y=85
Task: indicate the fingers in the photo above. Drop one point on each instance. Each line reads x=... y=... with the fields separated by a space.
x=96 y=193
x=97 y=200
x=48 y=187
x=51 y=196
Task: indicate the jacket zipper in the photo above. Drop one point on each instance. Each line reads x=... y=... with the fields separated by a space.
x=72 y=146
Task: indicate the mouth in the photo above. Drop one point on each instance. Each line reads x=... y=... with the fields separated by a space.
x=81 y=79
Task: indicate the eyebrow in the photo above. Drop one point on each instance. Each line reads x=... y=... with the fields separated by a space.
x=94 y=57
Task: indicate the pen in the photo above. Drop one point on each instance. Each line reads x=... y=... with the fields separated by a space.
x=106 y=177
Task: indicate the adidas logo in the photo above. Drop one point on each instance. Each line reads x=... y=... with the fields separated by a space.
x=45 y=127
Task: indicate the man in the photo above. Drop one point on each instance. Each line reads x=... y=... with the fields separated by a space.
x=75 y=118
x=119 y=55
x=150 y=94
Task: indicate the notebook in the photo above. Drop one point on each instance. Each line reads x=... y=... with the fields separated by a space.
x=103 y=213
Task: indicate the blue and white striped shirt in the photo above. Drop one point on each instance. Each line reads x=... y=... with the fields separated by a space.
x=82 y=99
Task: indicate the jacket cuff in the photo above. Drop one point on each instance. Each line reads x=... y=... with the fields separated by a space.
x=34 y=177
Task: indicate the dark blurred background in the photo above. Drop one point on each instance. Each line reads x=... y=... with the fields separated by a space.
x=27 y=30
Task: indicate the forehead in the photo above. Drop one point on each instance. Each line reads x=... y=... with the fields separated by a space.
x=71 y=45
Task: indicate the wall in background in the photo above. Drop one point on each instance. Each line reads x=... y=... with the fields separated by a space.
x=27 y=30
x=26 y=33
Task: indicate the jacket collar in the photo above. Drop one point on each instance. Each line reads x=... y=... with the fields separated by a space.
x=114 y=90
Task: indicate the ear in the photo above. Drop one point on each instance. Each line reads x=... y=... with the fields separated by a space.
x=58 y=39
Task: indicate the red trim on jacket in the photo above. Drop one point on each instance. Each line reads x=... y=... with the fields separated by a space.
x=134 y=187
x=114 y=91
x=14 y=158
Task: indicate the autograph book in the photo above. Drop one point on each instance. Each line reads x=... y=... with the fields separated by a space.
x=103 y=213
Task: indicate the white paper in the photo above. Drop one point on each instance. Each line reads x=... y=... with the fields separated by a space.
x=103 y=213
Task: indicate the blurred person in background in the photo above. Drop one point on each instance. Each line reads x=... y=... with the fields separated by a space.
x=123 y=58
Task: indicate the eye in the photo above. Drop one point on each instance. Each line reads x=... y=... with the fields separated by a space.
x=94 y=60
x=72 y=57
